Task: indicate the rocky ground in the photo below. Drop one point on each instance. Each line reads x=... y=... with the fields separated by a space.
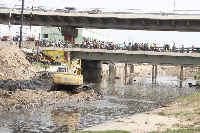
x=23 y=85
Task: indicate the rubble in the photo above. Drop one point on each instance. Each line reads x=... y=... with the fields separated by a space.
x=13 y=100
x=43 y=81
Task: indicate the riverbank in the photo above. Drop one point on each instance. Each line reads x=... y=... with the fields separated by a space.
x=183 y=113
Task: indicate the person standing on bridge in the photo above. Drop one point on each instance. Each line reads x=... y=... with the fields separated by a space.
x=124 y=48
x=174 y=47
x=182 y=48
x=192 y=48
x=154 y=45
x=50 y=42
x=151 y=46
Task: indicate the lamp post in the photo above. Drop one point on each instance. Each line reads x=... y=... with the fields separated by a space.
x=9 y=16
x=174 y=8
x=20 y=42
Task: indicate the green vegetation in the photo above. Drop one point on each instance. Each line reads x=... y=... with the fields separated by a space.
x=189 y=130
x=107 y=131
x=197 y=123
x=119 y=121
x=159 y=124
x=162 y=113
x=132 y=122
x=42 y=65
x=197 y=76
x=188 y=115
x=177 y=125
x=175 y=114
x=190 y=96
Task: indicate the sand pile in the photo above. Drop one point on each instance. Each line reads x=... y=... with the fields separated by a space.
x=13 y=64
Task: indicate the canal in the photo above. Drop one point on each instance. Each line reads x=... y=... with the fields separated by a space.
x=124 y=95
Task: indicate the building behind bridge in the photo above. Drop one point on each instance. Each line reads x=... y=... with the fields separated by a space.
x=54 y=33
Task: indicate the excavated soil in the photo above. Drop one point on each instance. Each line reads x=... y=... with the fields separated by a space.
x=34 y=98
x=23 y=85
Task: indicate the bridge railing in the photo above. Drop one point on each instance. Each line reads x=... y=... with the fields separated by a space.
x=128 y=48
x=105 y=10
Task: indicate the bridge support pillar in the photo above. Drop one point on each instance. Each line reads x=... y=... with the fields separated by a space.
x=112 y=71
x=69 y=34
x=131 y=68
x=91 y=70
x=125 y=71
x=154 y=74
x=69 y=31
x=181 y=77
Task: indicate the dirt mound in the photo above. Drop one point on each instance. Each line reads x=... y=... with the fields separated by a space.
x=13 y=64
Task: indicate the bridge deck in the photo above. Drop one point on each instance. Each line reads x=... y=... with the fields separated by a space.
x=132 y=56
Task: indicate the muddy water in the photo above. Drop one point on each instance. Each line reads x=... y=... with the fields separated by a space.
x=122 y=97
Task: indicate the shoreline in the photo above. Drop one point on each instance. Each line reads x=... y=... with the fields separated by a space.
x=140 y=123
x=183 y=113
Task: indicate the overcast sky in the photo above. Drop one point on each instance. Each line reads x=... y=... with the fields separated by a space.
x=119 y=36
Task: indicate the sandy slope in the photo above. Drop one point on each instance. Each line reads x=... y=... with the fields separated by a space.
x=141 y=123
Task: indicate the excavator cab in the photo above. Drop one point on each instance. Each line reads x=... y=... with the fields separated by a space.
x=62 y=69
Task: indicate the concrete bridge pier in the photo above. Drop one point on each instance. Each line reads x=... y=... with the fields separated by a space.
x=112 y=73
x=154 y=74
x=181 y=77
x=125 y=71
x=92 y=70
x=69 y=34
x=130 y=70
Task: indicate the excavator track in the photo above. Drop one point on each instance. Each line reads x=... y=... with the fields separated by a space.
x=73 y=89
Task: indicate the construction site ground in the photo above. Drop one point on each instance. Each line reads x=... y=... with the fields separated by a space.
x=25 y=85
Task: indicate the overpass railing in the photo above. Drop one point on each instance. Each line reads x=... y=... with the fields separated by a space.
x=103 y=10
x=112 y=46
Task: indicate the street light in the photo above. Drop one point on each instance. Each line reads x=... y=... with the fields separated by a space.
x=174 y=7
x=20 y=42
x=9 y=16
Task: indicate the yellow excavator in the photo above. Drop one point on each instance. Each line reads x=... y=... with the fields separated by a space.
x=69 y=78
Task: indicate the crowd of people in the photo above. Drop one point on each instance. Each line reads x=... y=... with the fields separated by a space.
x=111 y=46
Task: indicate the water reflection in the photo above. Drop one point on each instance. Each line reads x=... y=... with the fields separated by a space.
x=65 y=120
x=125 y=93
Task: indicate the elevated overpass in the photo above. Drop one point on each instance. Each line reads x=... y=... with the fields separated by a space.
x=106 y=20
x=132 y=56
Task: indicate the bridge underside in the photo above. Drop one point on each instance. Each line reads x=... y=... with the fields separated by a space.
x=103 y=21
x=158 y=59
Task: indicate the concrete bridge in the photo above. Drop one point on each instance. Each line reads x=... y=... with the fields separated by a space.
x=132 y=56
x=175 y=21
